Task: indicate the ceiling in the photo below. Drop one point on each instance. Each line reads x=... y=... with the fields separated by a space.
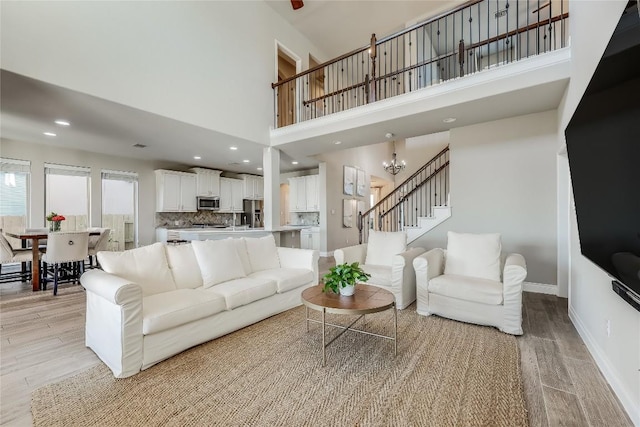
x=30 y=107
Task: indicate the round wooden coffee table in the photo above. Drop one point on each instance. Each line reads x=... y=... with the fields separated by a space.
x=367 y=299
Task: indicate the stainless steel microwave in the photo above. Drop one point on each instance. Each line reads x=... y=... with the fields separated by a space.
x=208 y=203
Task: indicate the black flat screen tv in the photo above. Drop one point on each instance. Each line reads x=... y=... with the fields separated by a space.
x=603 y=145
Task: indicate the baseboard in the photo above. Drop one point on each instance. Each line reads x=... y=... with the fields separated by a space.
x=605 y=367
x=540 y=288
x=326 y=254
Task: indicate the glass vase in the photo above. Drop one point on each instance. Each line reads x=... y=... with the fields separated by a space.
x=54 y=226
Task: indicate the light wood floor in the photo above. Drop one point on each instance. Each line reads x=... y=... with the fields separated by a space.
x=42 y=341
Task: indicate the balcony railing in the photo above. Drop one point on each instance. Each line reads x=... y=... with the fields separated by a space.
x=478 y=35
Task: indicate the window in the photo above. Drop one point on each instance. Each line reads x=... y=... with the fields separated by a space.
x=67 y=194
x=14 y=196
x=120 y=208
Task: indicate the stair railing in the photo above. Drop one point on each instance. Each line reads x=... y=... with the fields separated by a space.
x=477 y=35
x=415 y=197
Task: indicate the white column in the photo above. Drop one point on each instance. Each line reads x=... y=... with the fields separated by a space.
x=271 y=171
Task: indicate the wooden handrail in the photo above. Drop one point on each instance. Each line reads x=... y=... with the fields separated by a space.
x=364 y=48
x=518 y=31
x=418 y=172
x=442 y=57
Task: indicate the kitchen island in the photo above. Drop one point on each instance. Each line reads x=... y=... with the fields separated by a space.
x=288 y=236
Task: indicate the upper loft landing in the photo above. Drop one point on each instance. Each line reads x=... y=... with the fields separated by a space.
x=481 y=61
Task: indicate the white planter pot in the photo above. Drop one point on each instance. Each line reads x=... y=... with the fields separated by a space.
x=347 y=291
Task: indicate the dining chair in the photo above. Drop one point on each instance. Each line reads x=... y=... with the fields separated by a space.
x=65 y=247
x=9 y=255
x=97 y=244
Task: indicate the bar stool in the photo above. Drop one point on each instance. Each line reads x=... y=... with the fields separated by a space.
x=98 y=243
x=8 y=255
x=65 y=247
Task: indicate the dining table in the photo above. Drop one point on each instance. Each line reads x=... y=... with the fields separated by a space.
x=36 y=237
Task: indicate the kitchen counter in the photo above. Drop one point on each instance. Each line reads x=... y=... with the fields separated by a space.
x=290 y=233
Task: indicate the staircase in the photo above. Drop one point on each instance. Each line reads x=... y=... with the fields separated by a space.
x=417 y=205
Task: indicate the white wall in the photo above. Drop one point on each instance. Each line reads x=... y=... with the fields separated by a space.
x=332 y=234
x=591 y=300
x=40 y=154
x=503 y=179
x=184 y=60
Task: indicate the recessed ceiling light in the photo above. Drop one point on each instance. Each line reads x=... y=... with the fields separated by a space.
x=49 y=133
x=259 y=169
x=449 y=120
x=197 y=157
x=294 y=163
x=62 y=123
x=233 y=148
x=338 y=142
x=245 y=161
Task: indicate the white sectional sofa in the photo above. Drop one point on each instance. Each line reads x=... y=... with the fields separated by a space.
x=153 y=302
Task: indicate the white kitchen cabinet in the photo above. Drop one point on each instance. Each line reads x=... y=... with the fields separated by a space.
x=231 y=192
x=175 y=191
x=310 y=238
x=304 y=194
x=208 y=182
x=313 y=192
x=253 y=187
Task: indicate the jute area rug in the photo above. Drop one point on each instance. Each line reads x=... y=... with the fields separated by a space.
x=271 y=374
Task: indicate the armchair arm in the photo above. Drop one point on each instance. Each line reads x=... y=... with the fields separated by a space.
x=515 y=271
x=299 y=258
x=403 y=276
x=357 y=253
x=427 y=266
x=114 y=321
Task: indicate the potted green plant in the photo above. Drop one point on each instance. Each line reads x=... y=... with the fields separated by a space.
x=343 y=278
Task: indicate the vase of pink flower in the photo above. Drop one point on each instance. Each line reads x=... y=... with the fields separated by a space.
x=55 y=221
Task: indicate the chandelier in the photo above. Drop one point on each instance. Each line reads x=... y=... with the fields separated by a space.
x=394 y=167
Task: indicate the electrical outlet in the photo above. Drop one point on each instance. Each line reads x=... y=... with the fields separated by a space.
x=347 y=241
x=608 y=328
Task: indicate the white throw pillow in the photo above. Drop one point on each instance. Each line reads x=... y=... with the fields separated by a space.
x=383 y=245
x=146 y=266
x=263 y=253
x=473 y=255
x=241 y=248
x=184 y=266
x=218 y=260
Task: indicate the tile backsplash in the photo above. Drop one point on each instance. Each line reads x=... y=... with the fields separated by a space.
x=186 y=219
x=304 y=218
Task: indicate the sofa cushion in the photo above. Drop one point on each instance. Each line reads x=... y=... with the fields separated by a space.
x=286 y=278
x=383 y=245
x=218 y=260
x=380 y=274
x=243 y=291
x=241 y=248
x=263 y=253
x=170 y=309
x=467 y=288
x=147 y=266
x=184 y=266
x=473 y=255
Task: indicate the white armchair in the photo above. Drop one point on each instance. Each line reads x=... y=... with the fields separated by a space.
x=389 y=262
x=466 y=282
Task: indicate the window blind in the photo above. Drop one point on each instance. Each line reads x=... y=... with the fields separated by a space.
x=120 y=175
x=13 y=165
x=54 y=169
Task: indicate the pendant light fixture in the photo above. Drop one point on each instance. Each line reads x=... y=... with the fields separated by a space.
x=394 y=167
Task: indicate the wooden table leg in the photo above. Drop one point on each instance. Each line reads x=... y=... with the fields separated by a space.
x=35 y=264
